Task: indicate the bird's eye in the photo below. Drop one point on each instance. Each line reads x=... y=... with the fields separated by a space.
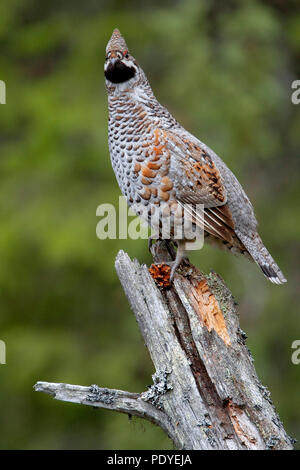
x=126 y=56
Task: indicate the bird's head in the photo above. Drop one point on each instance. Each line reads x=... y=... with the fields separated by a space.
x=120 y=67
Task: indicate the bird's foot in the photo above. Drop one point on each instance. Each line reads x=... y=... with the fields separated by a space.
x=174 y=265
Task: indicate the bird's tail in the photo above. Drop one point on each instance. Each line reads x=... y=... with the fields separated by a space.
x=262 y=257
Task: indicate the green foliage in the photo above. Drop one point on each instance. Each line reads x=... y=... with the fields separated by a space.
x=225 y=72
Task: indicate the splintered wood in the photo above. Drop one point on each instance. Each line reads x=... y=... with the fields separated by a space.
x=209 y=311
x=205 y=393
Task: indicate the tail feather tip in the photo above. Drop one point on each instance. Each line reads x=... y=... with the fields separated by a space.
x=276 y=277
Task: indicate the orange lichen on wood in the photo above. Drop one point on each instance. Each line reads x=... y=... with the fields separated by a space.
x=161 y=274
x=210 y=312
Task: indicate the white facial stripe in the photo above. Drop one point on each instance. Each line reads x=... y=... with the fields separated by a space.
x=117 y=55
x=127 y=62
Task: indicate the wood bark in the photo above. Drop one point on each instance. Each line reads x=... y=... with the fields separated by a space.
x=205 y=392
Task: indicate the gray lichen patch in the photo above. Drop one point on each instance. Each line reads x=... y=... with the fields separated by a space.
x=272 y=442
x=159 y=387
x=265 y=393
x=103 y=395
x=241 y=336
x=205 y=424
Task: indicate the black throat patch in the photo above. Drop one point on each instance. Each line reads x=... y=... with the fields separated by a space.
x=119 y=72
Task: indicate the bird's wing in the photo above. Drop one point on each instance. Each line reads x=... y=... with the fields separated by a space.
x=197 y=180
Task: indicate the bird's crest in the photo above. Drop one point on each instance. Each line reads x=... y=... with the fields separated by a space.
x=116 y=43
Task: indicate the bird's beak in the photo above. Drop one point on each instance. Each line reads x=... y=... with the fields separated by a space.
x=113 y=61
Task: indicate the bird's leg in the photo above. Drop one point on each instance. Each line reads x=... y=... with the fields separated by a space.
x=180 y=255
x=150 y=239
x=169 y=243
x=170 y=247
x=177 y=256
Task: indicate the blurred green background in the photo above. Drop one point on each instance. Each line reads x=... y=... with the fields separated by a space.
x=224 y=69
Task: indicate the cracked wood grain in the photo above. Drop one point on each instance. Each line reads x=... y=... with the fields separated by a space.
x=205 y=393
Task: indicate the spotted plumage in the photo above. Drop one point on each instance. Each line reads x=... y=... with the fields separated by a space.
x=159 y=164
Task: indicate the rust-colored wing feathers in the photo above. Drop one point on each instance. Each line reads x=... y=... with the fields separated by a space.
x=198 y=181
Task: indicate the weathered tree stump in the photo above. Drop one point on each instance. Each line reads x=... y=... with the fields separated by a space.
x=205 y=392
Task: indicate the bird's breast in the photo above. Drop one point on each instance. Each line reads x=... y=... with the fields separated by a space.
x=139 y=156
